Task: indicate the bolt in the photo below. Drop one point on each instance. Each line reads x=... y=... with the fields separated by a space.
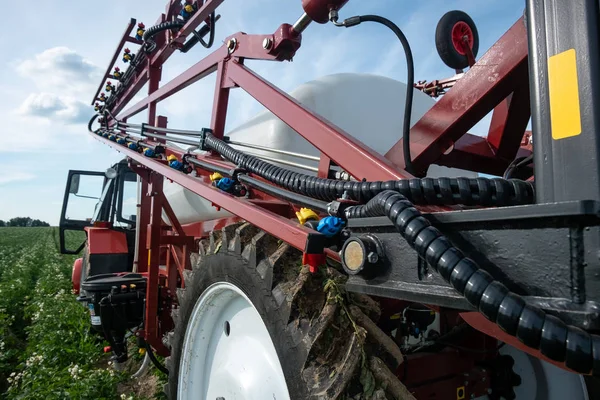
x=489 y=391
x=372 y=257
x=483 y=379
x=231 y=44
x=466 y=383
x=472 y=396
x=267 y=43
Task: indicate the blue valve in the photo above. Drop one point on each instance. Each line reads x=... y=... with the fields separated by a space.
x=178 y=165
x=225 y=184
x=149 y=152
x=330 y=226
x=121 y=141
x=112 y=138
x=133 y=146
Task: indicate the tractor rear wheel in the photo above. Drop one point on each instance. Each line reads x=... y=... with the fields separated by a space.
x=254 y=323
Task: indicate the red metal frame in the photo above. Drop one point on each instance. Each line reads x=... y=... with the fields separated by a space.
x=498 y=81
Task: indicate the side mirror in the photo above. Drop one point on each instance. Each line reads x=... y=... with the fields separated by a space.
x=74 y=184
x=111 y=173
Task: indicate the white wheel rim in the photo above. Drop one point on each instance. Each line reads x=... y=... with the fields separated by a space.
x=227 y=351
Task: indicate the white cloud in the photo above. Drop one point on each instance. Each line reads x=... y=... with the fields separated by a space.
x=10 y=174
x=60 y=69
x=65 y=109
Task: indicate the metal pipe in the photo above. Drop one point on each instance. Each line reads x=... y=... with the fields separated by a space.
x=302 y=23
x=208 y=166
x=284 y=152
x=284 y=162
x=174 y=140
x=173 y=131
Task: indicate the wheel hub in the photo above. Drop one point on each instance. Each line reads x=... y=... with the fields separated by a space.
x=227 y=350
x=460 y=31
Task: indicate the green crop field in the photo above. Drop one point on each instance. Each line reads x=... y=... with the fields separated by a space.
x=46 y=348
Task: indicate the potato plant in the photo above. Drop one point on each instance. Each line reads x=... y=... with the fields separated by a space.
x=46 y=348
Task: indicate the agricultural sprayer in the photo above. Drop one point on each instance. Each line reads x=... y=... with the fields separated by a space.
x=345 y=243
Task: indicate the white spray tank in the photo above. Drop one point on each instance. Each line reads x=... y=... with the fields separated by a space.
x=368 y=107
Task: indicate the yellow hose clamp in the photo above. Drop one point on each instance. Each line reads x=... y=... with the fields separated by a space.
x=172 y=157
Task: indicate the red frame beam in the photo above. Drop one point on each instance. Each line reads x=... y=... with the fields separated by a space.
x=124 y=38
x=494 y=77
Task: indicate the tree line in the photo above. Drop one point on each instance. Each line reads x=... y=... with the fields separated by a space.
x=23 y=221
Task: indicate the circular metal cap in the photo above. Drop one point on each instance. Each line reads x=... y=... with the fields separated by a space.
x=354 y=255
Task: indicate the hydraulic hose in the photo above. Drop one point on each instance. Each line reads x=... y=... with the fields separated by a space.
x=579 y=350
x=410 y=80
x=149 y=44
x=92 y=122
x=439 y=191
x=154 y=360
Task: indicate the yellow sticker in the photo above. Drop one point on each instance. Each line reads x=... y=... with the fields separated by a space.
x=565 y=112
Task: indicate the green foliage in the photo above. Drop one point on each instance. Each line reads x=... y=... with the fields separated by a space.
x=24 y=222
x=46 y=348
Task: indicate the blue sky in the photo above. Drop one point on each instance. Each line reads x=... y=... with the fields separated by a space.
x=52 y=61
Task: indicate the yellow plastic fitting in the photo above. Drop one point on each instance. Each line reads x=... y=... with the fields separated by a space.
x=215 y=177
x=306 y=214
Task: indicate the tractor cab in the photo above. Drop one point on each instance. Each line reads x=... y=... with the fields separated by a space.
x=99 y=209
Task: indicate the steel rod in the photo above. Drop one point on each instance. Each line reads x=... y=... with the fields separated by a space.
x=272 y=150
x=302 y=23
x=284 y=162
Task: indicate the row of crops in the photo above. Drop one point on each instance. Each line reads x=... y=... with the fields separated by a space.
x=46 y=348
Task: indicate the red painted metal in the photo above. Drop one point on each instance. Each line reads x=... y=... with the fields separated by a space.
x=191 y=75
x=486 y=84
x=347 y=152
x=509 y=122
x=106 y=241
x=76 y=275
x=219 y=112
x=126 y=37
x=324 y=166
x=286 y=230
x=318 y=10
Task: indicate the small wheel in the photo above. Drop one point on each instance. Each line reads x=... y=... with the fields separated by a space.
x=449 y=35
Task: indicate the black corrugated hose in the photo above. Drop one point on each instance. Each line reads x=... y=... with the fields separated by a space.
x=556 y=340
x=439 y=191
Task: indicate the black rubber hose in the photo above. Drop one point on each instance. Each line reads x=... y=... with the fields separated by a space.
x=440 y=191
x=579 y=350
x=157 y=363
x=149 y=44
x=410 y=80
x=199 y=34
x=211 y=39
x=316 y=205
x=91 y=123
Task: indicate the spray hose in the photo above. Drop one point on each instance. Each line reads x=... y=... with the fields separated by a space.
x=440 y=191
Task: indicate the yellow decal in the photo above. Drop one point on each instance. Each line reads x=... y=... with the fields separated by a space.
x=565 y=113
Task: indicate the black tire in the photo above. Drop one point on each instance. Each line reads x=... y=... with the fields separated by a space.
x=292 y=304
x=443 y=39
